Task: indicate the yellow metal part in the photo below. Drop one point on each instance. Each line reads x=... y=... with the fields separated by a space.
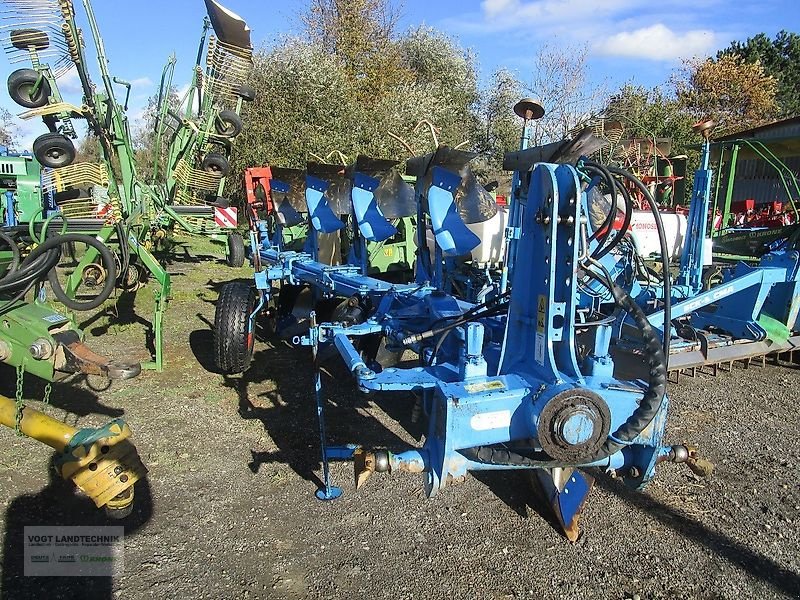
x=228 y=66
x=186 y=175
x=105 y=470
x=74 y=175
x=54 y=109
x=37 y=425
x=82 y=175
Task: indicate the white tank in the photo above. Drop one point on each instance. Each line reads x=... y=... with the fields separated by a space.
x=493 y=241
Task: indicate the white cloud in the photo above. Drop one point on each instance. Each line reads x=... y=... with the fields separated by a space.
x=629 y=28
x=506 y=15
x=658 y=42
x=70 y=83
x=141 y=82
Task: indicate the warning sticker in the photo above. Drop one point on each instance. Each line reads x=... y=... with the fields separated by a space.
x=55 y=318
x=540 y=344
x=541 y=314
x=484 y=386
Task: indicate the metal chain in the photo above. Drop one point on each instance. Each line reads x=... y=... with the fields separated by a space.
x=48 y=387
x=19 y=403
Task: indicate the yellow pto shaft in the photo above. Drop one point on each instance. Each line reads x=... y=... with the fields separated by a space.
x=102 y=462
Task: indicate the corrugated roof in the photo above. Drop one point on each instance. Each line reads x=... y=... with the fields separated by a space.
x=762 y=129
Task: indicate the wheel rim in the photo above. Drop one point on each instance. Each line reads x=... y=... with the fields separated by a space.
x=26 y=91
x=56 y=156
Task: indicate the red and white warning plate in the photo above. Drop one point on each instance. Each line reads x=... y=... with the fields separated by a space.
x=226 y=217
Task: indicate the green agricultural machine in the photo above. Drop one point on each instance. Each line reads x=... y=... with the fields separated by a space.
x=105 y=199
x=197 y=157
x=37 y=340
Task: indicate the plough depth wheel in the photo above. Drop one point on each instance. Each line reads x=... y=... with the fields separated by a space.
x=234 y=330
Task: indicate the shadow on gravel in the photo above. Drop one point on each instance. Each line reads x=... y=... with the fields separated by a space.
x=59 y=504
x=521 y=493
x=751 y=561
x=68 y=395
x=121 y=313
x=201 y=341
x=287 y=410
x=180 y=252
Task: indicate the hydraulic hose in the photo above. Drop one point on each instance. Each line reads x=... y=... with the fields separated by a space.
x=615 y=187
x=32 y=269
x=603 y=173
x=492 y=455
x=18 y=281
x=124 y=250
x=107 y=260
x=15 y=254
x=662 y=239
x=653 y=397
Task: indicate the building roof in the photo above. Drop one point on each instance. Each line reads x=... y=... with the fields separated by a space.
x=792 y=123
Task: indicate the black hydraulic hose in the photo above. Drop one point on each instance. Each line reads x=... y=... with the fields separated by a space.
x=462 y=319
x=604 y=248
x=478 y=309
x=615 y=187
x=15 y=253
x=653 y=397
x=32 y=269
x=107 y=260
x=26 y=274
x=605 y=226
x=662 y=239
x=492 y=455
x=125 y=251
x=445 y=331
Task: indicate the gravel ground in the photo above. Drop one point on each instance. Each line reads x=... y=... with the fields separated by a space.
x=228 y=509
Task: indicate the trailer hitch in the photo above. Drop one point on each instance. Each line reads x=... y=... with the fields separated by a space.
x=688 y=454
x=71 y=355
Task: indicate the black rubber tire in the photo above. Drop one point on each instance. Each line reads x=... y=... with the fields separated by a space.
x=214 y=162
x=20 y=83
x=23 y=39
x=233 y=338
x=106 y=259
x=228 y=123
x=247 y=92
x=54 y=150
x=235 y=255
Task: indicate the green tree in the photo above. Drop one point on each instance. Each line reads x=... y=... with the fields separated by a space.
x=311 y=100
x=88 y=149
x=780 y=58
x=8 y=129
x=735 y=94
x=651 y=113
x=502 y=127
x=144 y=139
x=561 y=83
x=359 y=33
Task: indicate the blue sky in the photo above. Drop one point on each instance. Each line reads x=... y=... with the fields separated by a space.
x=639 y=41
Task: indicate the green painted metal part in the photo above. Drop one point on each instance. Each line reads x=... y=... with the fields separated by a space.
x=194 y=136
x=396 y=254
x=107 y=118
x=23 y=325
x=759 y=149
x=21 y=175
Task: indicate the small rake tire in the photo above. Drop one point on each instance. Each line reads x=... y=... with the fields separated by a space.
x=233 y=338
x=235 y=255
x=20 y=86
